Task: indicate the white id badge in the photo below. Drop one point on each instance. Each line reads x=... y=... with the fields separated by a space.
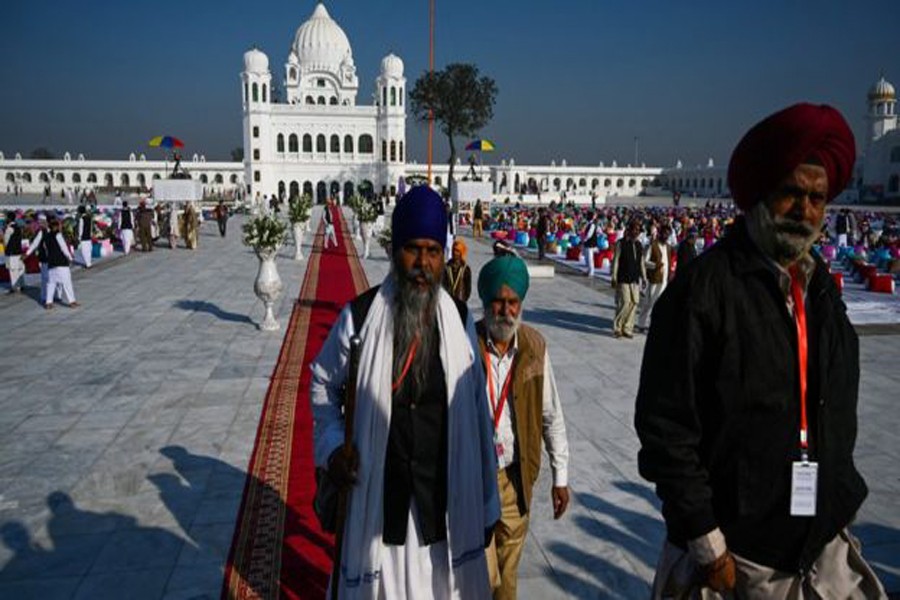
x=804 y=481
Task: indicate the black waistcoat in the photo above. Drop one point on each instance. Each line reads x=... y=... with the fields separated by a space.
x=630 y=257
x=126 y=219
x=416 y=458
x=86 y=228
x=14 y=248
x=55 y=256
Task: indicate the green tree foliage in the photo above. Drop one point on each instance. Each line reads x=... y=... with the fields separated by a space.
x=237 y=154
x=462 y=101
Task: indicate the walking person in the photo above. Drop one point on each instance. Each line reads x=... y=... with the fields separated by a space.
x=38 y=247
x=145 y=226
x=656 y=265
x=457 y=278
x=12 y=250
x=191 y=227
x=628 y=276
x=748 y=429
x=541 y=232
x=59 y=260
x=477 y=219
x=687 y=250
x=222 y=217
x=328 y=218
x=84 y=231
x=589 y=245
x=525 y=410
x=422 y=475
x=126 y=228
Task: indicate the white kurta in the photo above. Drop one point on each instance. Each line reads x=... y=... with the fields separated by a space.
x=472 y=504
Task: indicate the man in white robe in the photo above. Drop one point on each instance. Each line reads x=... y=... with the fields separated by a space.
x=422 y=478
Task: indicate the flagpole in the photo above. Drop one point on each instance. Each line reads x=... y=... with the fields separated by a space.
x=431 y=73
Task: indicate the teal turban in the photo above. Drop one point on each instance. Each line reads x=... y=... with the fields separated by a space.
x=500 y=271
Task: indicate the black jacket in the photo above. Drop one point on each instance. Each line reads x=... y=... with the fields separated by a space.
x=718 y=406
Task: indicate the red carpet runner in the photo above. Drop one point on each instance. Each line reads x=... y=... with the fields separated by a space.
x=278 y=550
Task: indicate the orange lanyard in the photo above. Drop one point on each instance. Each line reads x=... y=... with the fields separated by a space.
x=802 y=354
x=409 y=358
x=497 y=408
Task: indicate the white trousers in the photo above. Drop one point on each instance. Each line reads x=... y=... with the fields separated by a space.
x=16 y=267
x=330 y=235
x=84 y=249
x=589 y=259
x=415 y=571
x=59 y=276
x=654 y=291
x=842 y=240
x=127 y=237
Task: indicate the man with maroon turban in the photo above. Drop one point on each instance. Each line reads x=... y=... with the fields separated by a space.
x=748 y=430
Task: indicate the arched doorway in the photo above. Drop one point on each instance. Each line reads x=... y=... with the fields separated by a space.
x=321 y=192
x=281 y=189
x=348 y=190
x=366 y=189
x=336 y=191
x=308 y=189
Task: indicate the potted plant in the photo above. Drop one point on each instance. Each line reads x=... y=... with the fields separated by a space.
x=299 y=208
x=384 y=240
x=366 y=215
x=265 y=234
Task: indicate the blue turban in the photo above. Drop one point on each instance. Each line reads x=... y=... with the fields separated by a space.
x=420 y=214
x=503 y=270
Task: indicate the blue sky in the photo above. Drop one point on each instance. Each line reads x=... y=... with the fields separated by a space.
x=577 y=80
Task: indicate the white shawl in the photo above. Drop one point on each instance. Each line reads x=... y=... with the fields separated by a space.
x=472 y=500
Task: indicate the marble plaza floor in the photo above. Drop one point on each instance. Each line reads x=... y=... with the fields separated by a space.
x=126 y=426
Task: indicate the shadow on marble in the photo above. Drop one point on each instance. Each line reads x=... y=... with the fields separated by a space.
x=572 y=321
x=203 y=306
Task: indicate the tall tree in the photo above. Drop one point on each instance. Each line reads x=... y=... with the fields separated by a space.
x=462 y=102
x=237 y=154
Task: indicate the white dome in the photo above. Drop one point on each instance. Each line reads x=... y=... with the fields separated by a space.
x=256 y=61
x=882 y=90
x=321 y=43
x=392 y=66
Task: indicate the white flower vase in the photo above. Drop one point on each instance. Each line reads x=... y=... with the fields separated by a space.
x=298 y=240
x=356 y=228
x=268 y=287
x=366 y=238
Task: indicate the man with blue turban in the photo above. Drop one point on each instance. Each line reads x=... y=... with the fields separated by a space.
x=421 y=480
x=524 y=409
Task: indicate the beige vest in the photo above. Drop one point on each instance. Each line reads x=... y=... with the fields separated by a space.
x=527 y=402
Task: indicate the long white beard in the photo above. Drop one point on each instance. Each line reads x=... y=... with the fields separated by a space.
x=414 y=317
x=502 y=328
x=783 y=240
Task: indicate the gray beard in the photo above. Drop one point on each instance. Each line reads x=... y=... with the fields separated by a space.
x=783 y=240
x=500 y=328
x=414 y=313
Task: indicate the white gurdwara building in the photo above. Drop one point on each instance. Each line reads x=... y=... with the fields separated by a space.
x=317 y=139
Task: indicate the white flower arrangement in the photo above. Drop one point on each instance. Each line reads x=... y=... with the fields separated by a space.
x=264 y=233
x=363 y=209
x=299 y=208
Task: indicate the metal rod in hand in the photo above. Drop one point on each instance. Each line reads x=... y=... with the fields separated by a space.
x=347 y=450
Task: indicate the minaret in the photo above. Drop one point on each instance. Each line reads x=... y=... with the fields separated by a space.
x=882 y=115
x=390 y=145
x=256 y=81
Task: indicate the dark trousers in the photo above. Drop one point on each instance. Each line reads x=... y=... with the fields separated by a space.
x=542 y=246
x=145 y=238
x=223 y=223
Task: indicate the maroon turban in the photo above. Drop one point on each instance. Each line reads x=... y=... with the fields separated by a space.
x=775 y=146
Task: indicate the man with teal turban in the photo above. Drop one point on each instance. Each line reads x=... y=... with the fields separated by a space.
x=525 y=410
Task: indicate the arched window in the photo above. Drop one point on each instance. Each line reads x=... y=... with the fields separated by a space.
x=400 y=155
x=124 y=180
x=365 y=144
x=310 y=100
x=595 y=183
x=218 y=178
x=557 y=184
x=348 y=144
x=265 y=93
x=320 y=143
x=894 y=184
x=384 y=96
x=620 y=182
x=438 y=181
x=44 y=178
x=233 y=178
x=204 y=178
x=895 y=154
x=293 y=73
x=26 y=177
x=279 y=145
x=92 y=178
x=321 y=100
x=400 y=96
x=246 y=93
x=393 y=96
x=333 y=101
x=142 y=181
x=61 y=177
x=570 y=183
x=335 y=144
x=631 y=183
x=76 y=178
x=393 y=150
x=255 y=92
x=307 y=143
x=292 y=143
x=607 y=182
x=383 y=150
